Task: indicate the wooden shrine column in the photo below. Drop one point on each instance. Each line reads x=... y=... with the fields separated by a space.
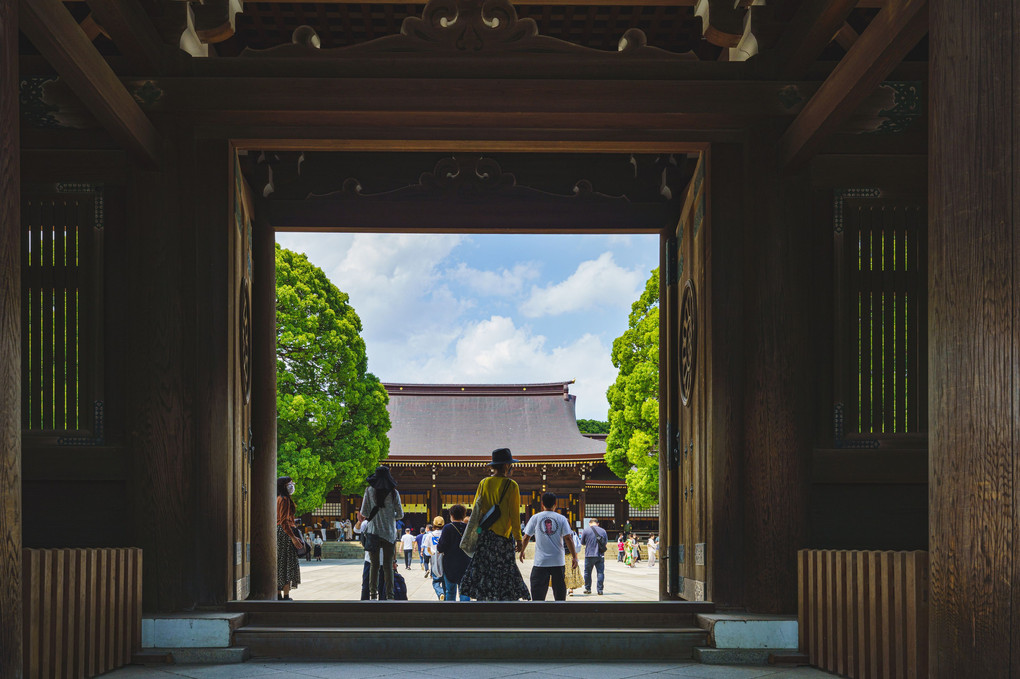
x=434 y=504
x=10 y=348
x=159 y=277
x=779 y=371
x=974 y=339
x=263 y=473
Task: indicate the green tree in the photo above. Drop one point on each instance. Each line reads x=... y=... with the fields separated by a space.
x=593 y=426
x=332 y=418
x=633 y=441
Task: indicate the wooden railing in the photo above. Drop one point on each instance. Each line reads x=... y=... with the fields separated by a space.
x=864 y=614
x=82 y=610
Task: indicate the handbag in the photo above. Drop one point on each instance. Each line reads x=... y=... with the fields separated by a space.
x=469 y=538
x=303 y=549
x=494 y=512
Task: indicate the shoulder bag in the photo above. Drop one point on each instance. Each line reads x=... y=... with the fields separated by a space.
x=371 y=539
x=494 y=512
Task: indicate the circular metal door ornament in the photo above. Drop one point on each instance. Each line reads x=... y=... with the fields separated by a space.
x=244 y=328
x=688 y=342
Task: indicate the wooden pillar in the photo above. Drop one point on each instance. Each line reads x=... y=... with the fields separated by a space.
x=669 y=395
x=159 y=409
x=974 y=339
x=779 y=395
x=263 y=473
x=10 y=347
x=209 y=187
x=724 y=557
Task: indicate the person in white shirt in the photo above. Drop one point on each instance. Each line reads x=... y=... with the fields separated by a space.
x=428 y=545
x=407 y=540
x=653 y=550
x=551 y=531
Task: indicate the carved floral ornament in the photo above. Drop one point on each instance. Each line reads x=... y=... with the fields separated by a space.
x=462 y=26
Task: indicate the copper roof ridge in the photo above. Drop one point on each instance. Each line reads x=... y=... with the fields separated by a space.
x=521 y=389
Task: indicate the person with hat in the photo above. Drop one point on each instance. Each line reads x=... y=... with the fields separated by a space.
x=380 y=508
x=495 y=520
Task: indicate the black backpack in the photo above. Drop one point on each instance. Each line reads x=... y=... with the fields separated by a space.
x=600 y=541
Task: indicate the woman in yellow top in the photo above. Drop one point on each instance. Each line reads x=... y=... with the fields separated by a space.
x=493 y=574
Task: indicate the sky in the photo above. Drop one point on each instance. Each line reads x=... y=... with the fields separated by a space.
x=484 y=309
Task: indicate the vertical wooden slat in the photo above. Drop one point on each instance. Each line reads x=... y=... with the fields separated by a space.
x=60 y=637
x=30 y=605
x=863 y=613
x=839 y=591
x=875 y=291
x=905 y=332
x=852 y=640
x=819 y=654
x=137 y=611
x=55 y=214
x=63 y=419
x=802 y=601
x=76 y=603
x=102 y=618
x=111 y=608
x=890 y=219
x=73 y=329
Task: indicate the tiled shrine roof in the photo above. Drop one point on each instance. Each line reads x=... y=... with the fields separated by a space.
x=467 y=421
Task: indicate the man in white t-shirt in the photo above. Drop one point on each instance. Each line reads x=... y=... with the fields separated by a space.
x=553 y=536
x=407 y=540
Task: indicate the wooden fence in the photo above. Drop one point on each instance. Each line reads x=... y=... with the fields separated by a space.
x=864 y=614
x=82 y=610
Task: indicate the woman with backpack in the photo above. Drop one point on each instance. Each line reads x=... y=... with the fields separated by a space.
x=494 y=538
x=380 y=509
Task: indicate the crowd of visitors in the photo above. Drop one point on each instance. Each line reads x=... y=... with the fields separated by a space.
x=471 y=556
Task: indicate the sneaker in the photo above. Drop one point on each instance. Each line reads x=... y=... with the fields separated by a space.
x=587 y=591
x=442 y=597
x=600 y=592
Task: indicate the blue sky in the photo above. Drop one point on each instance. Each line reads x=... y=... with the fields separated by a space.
x=449 y=308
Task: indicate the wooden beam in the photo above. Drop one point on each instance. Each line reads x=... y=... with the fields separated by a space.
x=54 y=32
x=847 y=36
x=10 y=348
x=808 y=33
x=891 y=35
x=131 y=29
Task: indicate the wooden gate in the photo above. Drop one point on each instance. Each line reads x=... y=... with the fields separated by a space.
x=241 y=280
x=688 y=395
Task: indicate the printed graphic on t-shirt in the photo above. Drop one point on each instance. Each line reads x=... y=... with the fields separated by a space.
x=549 y=527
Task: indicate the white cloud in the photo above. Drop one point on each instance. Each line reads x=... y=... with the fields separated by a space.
x=496 y=351
x=502 y=283
x=595 y=283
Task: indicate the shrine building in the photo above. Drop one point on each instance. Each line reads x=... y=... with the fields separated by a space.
x=441 y=440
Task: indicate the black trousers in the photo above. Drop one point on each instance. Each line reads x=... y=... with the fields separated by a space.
x=540 y=582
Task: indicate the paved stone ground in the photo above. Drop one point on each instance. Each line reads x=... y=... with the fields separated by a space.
x=466 y=670
x=340 y=579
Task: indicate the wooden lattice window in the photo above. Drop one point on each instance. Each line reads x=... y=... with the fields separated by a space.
x=600 y=510
x=61 y=312
x=881 y=254
x=650 y=513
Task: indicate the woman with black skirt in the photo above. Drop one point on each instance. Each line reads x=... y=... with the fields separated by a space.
x=288 y=571
x=493 y=574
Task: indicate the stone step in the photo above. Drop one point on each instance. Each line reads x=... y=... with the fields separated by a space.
x=472 y=614
x=475 y=643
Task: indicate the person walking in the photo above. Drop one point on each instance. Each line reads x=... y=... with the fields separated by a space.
x=637 y=548
x=381 y=508
x=493 y=574
x=455 y=561
x=628 y=552
x=620 y=548
x=317 y=544
x=594 y=540
x=653 y=550
x=407 y=541
x=288 y=570
x=435 y=570
x=417 y=541
x=552 y=534
x=423 y=547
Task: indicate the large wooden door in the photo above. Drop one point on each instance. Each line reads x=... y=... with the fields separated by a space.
x=690 y=344
x=242 y=453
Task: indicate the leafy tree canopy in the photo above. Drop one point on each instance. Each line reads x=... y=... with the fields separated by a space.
x=632 y=444
x=593 y=426
x=332 y=418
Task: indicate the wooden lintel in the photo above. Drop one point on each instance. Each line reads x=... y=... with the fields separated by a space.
x=130 y=28
x=892 y=34
x=808 y=33
x=452 y=217
x=54 y=32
